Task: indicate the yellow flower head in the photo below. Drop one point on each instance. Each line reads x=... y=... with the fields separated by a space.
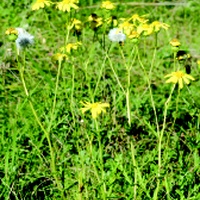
x=179 y=77
x=66 y=5
x=145 y=29
x=112 y=20
x=95 y=21
x=134 y=35
x=71 y=46
x=158 y=25
x=11 y=31
x=59 y=57
x=136 y=18
x=127 y=27
x=175 y=43
x=77 y=24
x=95 y=108
x=40 y=4
x=107 y=5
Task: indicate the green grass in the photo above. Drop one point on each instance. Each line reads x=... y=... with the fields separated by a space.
x=49 y=149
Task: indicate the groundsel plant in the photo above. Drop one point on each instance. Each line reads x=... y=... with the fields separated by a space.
x=131 y=30
x=24 y=40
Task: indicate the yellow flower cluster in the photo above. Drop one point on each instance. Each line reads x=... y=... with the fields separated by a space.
x=64 y=5
x=70 y=46
x=65 y=51
x=136 y=25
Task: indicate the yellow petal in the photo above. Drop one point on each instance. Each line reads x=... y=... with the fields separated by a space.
x=189 y=77
x=186 y=80
x=84 y=110
x=172 y=80
x=105 y=105
x=180 y=82
x=168 y=75
x=94 y=114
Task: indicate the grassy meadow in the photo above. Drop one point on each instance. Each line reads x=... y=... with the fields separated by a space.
x=88 y=115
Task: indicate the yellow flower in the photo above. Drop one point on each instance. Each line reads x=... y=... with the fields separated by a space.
x=198 y=62
x=158 y=25
x=95 y=21
x=107 y=5
x=127 y=27
x=136 y=18
x=95 y=108
x=133 y=35
x=77 y=24
x=40 y=4
x=175 y=43
x=10 y=31
x=112 y=20
x=59 y=57
x=145 y=29
x=71 y=46
x=66 y=5
x=179 y=77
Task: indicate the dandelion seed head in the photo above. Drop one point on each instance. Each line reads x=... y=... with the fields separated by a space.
x=116 y=35
x=24 y=39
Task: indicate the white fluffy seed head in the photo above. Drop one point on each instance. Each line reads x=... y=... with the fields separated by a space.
x=116 y=35
x=24 y=39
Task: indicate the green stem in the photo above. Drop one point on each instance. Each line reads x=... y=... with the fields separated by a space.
x=160 y=136
x=150 y=90
x=128 y=68
x=52 y=155
x=115 y=74
x=99 y=78
x=177 y=100
x=174 y=61
x=135 y=170
x=72 y=94
x=55 y=97
x=101 y=160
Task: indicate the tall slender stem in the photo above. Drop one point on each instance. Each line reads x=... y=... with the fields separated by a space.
x=150 y=90
x=160 y=136
x=55 y=96
x=52 y=155
x=135 y=170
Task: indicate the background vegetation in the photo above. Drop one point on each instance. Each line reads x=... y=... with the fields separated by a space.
x=106 y=158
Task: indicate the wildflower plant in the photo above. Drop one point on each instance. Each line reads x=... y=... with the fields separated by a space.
x=87 y=141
